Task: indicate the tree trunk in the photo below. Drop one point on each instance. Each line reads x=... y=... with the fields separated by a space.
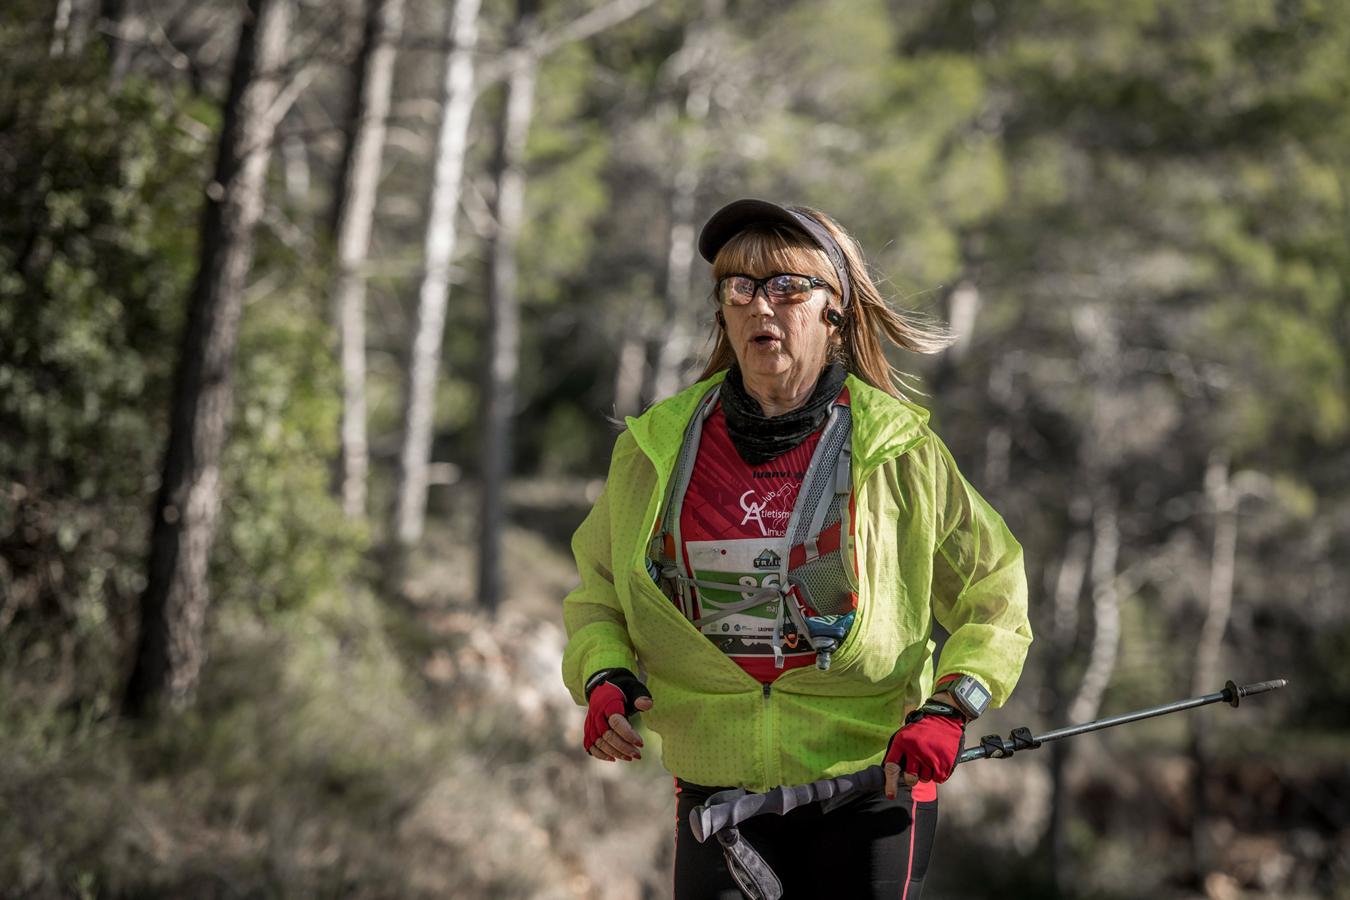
x=71 y=22
x=1068 y=590
x=696 y=70
x=295 y=174
x=673 y=343
x=1059 y=854
x=503 y=324
x=451 y=144
x=173 y=608
x=1101 y=666
x=113 y=23
x=353 y=218
x=631 y=368
x=998 y=438
x=61 y=28
x=1223 y=503
x=963 y=308
x=1223 y=500
x=674 y=339
x=1105 y=611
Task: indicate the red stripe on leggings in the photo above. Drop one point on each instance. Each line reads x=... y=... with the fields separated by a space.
x=677 y=835
x=909 y=869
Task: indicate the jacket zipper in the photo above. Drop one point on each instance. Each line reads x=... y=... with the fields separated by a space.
x=770 y=751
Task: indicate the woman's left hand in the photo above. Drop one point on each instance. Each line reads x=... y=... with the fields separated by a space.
x=925 y=750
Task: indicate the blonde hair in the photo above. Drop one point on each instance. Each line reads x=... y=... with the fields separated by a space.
x=762 y=249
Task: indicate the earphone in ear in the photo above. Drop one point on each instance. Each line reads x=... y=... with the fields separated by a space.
x=834 y=316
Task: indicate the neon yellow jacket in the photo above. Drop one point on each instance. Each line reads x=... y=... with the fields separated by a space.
x=927 y=545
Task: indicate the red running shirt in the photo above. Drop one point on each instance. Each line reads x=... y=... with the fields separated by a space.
x=733 y=527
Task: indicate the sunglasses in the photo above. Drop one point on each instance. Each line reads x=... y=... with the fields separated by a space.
x=785 y=287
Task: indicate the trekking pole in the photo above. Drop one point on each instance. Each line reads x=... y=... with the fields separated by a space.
x=730 y=808
x=994 y=747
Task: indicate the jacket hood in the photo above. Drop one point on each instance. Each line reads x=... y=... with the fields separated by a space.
x=883 y=426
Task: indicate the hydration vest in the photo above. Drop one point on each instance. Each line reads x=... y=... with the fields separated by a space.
x=816 y=586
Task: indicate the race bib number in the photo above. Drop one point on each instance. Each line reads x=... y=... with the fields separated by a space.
x=745 y=567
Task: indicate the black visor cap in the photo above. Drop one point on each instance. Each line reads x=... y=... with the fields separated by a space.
x=737 y=216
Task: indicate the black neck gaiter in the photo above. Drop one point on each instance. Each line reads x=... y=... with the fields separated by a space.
x=759 y=438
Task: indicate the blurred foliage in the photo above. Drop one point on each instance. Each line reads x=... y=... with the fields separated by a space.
x=94 y=264
x=97 y=250
x=1151 y=201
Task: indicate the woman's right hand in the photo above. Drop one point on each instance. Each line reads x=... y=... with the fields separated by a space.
x=612 y=699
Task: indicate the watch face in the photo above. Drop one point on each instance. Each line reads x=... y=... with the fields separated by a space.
x=973 y=694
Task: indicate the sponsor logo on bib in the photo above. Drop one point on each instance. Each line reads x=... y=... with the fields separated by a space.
x=768 y=560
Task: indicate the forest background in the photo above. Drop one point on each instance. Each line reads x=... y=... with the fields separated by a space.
x=317 y=319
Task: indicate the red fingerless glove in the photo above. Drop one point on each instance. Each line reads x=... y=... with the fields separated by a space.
x=927 y=745
x=609 y=692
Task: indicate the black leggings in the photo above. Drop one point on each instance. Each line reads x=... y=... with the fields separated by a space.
x=868 y=847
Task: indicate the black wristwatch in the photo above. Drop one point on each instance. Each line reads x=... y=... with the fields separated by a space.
x=632 y=687
x=936 y=708
x=603 y=675
x=971 y=697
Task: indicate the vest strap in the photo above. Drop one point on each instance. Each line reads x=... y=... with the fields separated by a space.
x=828 y=541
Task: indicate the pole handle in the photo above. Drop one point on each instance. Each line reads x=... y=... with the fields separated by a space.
x=1235 y=692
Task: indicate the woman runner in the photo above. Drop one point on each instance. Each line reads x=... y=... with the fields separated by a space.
x=772 y=547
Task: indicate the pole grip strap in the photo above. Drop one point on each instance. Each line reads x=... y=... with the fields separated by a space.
x=995 y=747
x=749 y=870
x=1023 y=739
